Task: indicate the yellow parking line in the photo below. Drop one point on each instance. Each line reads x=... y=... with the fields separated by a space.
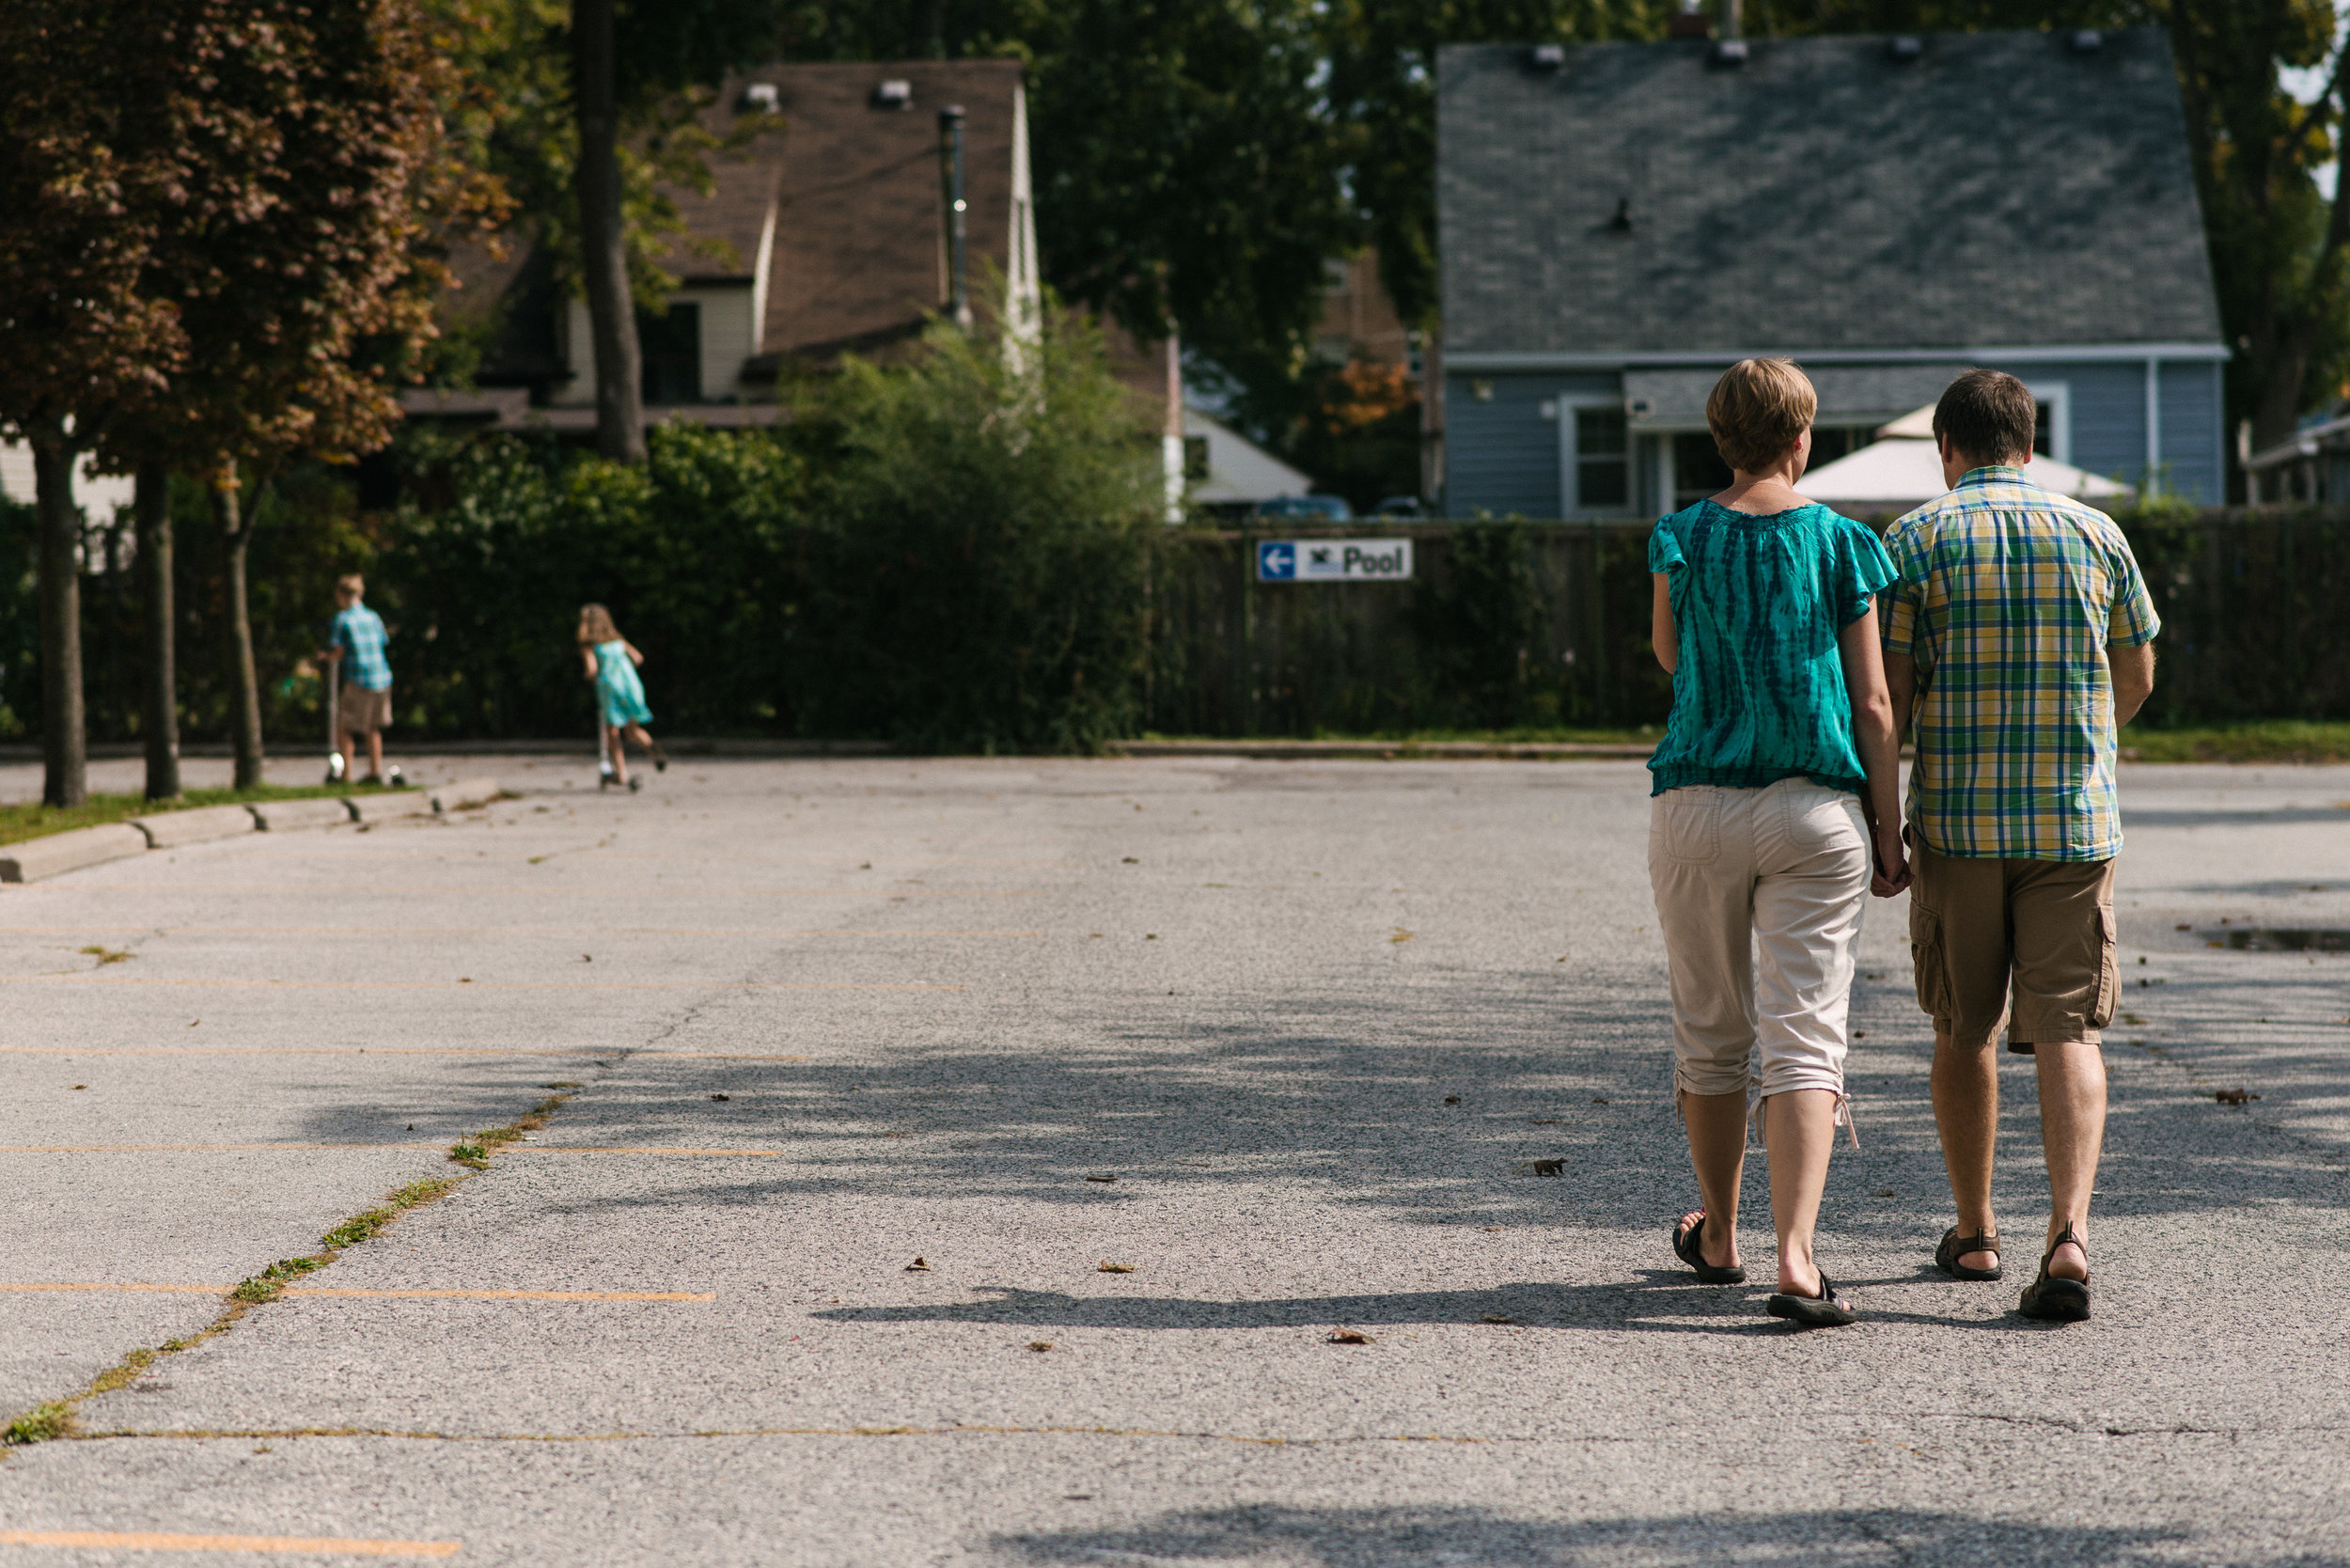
x=480 y=985
x=184 y=1147
x=364 y=1050
x=322 y=1290
x=160 y=1541
x=607 y=1149
x=635 y=890
x=492 y=930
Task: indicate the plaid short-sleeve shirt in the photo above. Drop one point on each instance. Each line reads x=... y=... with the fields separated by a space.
x=359 y=633
x=2006 y=600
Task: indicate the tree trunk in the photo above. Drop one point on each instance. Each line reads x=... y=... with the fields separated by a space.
x=161 y=719
x=64 y=743
x=602 y=244
x=244 y=682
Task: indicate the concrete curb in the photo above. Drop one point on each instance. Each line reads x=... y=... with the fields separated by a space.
x=405 y=803
x=37 y=858
x=1447 y=751
x=170 y=829
x=465 y=792
x=277 y=816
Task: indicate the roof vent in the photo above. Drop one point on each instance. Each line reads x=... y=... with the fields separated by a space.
x=2088 y=42
x=759 y=98
x=1546 y=56
x=1731 y=51
x=894 y=95
x=1904 y=48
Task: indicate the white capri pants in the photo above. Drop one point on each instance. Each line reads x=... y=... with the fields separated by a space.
x=1782 y=869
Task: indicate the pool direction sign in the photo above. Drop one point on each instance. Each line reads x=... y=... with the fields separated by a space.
x=1334 y=560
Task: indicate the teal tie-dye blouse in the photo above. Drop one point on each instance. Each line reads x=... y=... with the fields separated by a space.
x=1758 y=602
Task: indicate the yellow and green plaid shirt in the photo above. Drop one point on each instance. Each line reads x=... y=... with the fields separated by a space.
x=2007 y=599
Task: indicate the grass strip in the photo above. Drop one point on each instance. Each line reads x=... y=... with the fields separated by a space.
x=2260 y=741
x=55 y=1420
x=32 y=819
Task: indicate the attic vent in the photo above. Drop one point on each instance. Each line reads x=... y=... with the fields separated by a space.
x=759 y=98
x=1906 y=48
x=1546 y=56
x=1731 y=51
x=894 y=95
x=2088 y=42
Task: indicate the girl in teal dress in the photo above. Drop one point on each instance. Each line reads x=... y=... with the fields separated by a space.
x=612 y=661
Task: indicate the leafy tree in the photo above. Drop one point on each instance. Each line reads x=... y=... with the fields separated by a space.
x=300 y=252
x=86 y=172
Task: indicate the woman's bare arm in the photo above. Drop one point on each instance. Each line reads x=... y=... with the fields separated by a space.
x=1878 y=739
x=588 y=657
x=634 y=657
x=1660 y=623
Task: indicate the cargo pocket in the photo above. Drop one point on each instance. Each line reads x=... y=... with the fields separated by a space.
x=2109 y=969
x=1691 y=817
x=1925 y=953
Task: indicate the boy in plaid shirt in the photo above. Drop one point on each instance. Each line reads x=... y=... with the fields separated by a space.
x=363 y=706
x=2021 y=639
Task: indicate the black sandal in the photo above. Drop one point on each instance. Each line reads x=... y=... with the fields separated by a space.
x=1954 y=1247
x=1688 y=1241
x=1825 y=1310
x=2055 y=1298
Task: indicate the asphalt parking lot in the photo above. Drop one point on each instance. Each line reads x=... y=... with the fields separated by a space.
x=1166 y=1072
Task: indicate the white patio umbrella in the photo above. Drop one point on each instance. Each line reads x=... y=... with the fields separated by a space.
x=1900 y=469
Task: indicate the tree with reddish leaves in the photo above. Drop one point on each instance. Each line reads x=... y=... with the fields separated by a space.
x=88 y=170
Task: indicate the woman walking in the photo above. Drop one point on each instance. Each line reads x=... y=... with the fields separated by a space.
x=612 y=661
x=1777 y=772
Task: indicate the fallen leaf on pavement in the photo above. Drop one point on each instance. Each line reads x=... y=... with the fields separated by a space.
x=1350 y=1337
x=2231 y=1096
x=920 y=1265
x=1128 y=860
x=1495 y=1317
x=1400 y=935
x=1102 y=1178
x=1599 y=1099
x=1452 y=1099
x=722 y=1097
x=1542 y=1120
x=1114 y=1268
x=1541 y=1168
x=1040 y=1344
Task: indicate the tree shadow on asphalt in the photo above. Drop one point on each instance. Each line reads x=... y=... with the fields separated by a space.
x=1429 y=1108
x=1426 y=1537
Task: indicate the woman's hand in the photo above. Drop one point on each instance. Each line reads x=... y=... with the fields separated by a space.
x=1890 y=873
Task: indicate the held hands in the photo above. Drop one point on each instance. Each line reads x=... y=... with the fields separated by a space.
x=1891 y=861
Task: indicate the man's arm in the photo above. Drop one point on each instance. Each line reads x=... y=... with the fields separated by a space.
x=1900 y=685
x=2133 y=678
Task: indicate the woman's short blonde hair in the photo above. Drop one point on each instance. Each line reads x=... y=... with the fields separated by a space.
x=1758 y=410
x=595 y=626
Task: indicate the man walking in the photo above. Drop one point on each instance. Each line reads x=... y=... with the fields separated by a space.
x=2021 y=639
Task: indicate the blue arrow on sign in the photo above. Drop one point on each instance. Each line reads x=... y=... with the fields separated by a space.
x=1276 y=561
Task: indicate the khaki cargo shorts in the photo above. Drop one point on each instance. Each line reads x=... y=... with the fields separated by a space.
x=361 y=711
x=2025 y=943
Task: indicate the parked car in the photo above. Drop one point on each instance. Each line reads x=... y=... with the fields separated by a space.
x=1317 y=508
x=1401 y=508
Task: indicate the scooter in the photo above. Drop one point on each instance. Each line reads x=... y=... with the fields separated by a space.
x=333 y=719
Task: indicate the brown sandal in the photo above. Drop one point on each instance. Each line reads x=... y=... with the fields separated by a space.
x=2052 y=1297
x=1954 y=1247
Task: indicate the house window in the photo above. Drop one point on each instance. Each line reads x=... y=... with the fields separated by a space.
x=1195 y=457
x=671 y=345
x=1603 y=469
x=2043 y=432
x=1698 y=470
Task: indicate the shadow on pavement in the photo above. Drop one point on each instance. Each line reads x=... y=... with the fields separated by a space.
x=1428 y=1537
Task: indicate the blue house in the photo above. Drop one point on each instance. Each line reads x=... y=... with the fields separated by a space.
x=1620 y=222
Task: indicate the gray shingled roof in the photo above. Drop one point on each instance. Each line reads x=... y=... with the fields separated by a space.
x=1999 y=189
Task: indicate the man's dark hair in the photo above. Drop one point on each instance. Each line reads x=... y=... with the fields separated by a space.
x=1989 y=415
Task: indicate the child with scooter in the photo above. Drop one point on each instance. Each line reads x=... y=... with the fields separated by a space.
x=611 y=663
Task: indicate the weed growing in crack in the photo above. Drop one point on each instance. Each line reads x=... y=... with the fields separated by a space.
x=121 y=1374
x=265 y=1285
x=468 y=1152
x=106 y=955
x=40 y=1424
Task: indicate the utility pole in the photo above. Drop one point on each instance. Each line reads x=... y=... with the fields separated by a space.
x=950 y=178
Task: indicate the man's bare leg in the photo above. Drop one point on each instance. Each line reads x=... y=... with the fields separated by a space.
x=375 y=754
x=2073 y=1135
x=350 y=756
x=1966 y=1110
x=1717 y=1148
x=1800 y=1130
